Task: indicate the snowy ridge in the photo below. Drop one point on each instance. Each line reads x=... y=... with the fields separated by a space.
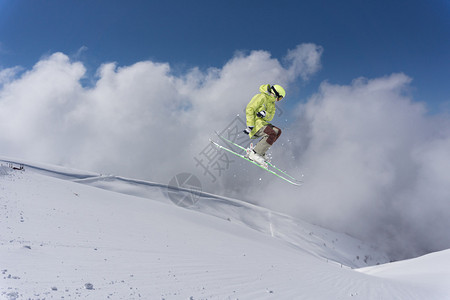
x=119 y=238
x=313 y=239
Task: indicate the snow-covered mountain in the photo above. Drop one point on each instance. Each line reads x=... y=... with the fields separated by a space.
x=72 y=234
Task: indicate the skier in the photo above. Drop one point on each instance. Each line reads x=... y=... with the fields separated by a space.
x=259 y=112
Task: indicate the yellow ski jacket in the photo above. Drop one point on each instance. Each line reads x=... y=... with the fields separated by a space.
x=262 y=101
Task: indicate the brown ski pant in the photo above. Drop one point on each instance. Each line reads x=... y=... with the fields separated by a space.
x=269 y=134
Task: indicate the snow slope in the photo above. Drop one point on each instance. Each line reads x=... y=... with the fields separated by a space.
x=73 y=234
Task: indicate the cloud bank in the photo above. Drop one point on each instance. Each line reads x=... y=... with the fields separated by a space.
x=375 y=163
x=376 y=166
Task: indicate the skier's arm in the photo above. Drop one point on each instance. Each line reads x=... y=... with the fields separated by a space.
x=251 y=110
x=250 y=115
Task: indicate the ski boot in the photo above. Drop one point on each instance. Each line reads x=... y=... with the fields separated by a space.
x=252 y=155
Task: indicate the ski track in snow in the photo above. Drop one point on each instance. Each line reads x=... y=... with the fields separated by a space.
x=73 y=234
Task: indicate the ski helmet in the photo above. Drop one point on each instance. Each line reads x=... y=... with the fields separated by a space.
x=278 y=91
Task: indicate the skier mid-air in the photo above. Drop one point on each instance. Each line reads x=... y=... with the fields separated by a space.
x=259 y=112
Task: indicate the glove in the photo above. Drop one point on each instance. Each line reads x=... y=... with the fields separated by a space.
x=248 y=129
x=261 y=114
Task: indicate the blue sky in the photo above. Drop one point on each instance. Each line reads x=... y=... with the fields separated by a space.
x=359 y=38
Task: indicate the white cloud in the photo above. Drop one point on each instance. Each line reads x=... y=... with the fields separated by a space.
x=304 y=60
x=375 y=163
x=6 y=75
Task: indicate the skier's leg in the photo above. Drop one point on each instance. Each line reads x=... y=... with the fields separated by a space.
x=269 y=135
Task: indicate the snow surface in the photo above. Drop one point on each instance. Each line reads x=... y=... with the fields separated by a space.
x=70 y=234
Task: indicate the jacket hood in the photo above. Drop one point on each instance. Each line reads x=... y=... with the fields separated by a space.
x=265 y=89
